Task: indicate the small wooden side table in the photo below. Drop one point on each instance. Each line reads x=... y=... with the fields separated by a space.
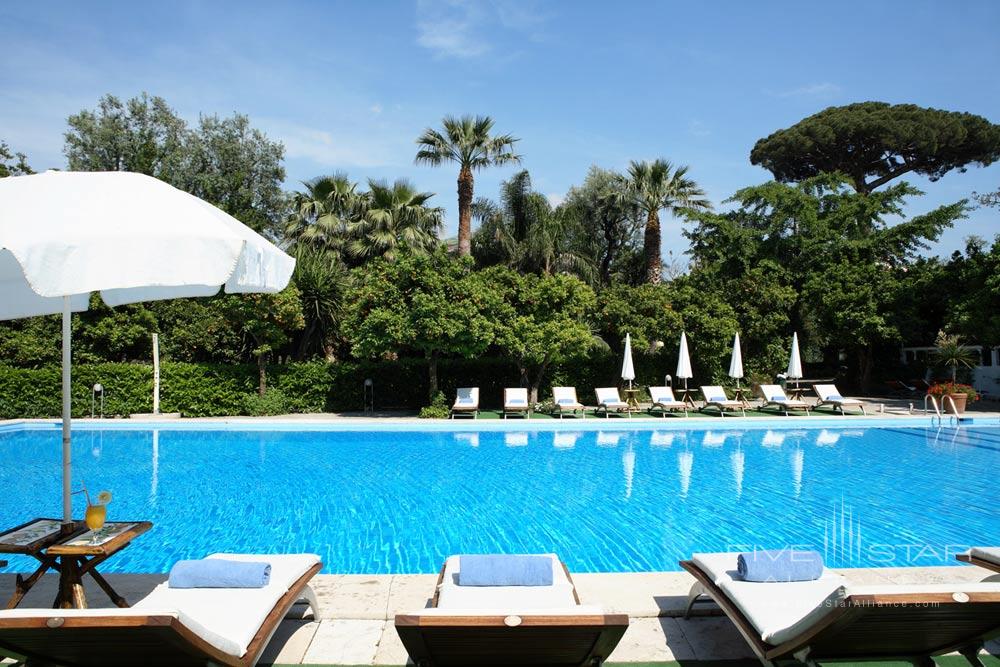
x=740 y=394
x=31 y=538
x=72 y=555
x=632 y=399
x=686 y=396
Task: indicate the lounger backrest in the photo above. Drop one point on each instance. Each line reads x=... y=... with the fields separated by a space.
x=466 y=396
x=607 y=395
x=515 y=396
x=825 y=391
x=773 y=392
x=714 y=393
x=662 y=395
x=564 y=394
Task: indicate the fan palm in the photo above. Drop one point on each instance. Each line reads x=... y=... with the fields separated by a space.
x=659 y=186
x=321 y=214
x=394 y=217
x=466 y=141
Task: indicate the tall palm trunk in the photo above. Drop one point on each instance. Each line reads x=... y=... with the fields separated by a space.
x=651 y=249
x=465 y=187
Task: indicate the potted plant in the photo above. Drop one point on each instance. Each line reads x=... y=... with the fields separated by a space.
x=950 y=353
x=960 y=395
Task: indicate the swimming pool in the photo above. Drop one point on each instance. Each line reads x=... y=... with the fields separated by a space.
x=606 y=496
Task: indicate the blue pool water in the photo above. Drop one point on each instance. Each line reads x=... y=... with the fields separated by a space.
x=619 y=499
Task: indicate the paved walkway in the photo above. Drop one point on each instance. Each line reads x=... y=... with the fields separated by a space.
x=356 y=624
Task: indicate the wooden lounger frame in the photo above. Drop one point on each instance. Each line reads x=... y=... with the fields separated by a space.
x=555 y=641
x=906 y=626
x=979 y=562
x=125 y=641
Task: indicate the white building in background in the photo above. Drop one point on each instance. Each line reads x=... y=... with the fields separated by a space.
x=985 y=375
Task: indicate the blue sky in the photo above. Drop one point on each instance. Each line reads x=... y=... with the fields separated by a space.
x=349 y=86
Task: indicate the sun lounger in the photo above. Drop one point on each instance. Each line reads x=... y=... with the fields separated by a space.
x=466 y=402
x=830 y=395
x=566 y=401
x=715 y=397
x=515 y=402
x=664 y=401
x=985 y=557
x=774 y=396
x=608 y=399
x=900 y=389
x=170 y=626
x=827 y=619
x=509 y=625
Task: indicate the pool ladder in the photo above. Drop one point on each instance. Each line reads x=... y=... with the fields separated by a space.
x=953 y=419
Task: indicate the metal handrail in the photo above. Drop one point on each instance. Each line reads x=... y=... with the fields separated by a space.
x=953 y=415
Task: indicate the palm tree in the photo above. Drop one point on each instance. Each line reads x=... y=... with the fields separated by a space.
x=394 y=217
x=321 y=215
x=323 y=285
x=656 y=186
x=525 y=233
x=466 y=141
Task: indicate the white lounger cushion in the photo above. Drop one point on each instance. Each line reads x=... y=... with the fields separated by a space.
x=826 y=392
x=452 y=596
x=991 y=554
x=663 y=396
x=778 y=611
x=226 y=618
x=609 y=396
x=230 y=617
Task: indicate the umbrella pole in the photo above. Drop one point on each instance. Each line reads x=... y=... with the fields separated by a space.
x=67 y=499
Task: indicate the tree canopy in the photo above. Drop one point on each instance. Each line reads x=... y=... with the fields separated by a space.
x=432 y=304
x=224 y=161
x=875 y=142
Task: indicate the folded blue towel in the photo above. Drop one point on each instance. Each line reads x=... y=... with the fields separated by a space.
x=780 y=565
x=516 y=401
x=778 y=399
x=718 y=399
x=219 y=573
x=834 y=397
x=503 y=570
x=566 y=401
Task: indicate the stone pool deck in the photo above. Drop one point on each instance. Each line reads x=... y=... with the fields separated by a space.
x=356 y=624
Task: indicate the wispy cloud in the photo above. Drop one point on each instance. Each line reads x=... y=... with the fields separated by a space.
x=821 y=90
x=464 y=29
x=698 y=128
x=334 y=149
x=555 y=198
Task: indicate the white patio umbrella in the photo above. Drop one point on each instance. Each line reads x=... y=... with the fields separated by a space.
x=628 y=369
x=736 y=361
x=64 y=235
x=684 y=361
x=794 y=371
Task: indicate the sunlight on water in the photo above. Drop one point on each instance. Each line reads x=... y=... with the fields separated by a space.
x=614 y=500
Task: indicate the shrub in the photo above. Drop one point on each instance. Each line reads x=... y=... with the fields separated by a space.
x=273 y=402
x=438 y=409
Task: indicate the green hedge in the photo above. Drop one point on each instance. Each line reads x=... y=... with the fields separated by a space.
x=214 y=390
